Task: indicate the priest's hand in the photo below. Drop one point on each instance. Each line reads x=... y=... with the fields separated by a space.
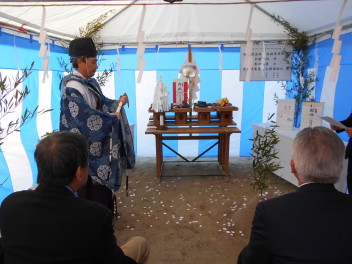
x=120 y=103
x=123 y=98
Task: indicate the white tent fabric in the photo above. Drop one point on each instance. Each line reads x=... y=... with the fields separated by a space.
x=188 y=21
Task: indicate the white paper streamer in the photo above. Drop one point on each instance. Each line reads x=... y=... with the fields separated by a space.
x=141 y=25
x=157 y=57
x=329 y=89
x=249 y=30
x=118 y=61
x=249 y=72
x=141 y=49
x=337 y=32
x=48 y=51
x=336 y=58
x=140 y=64
x=262 y=65
x=316 y=55
x=44 y=51
x=335 y=73
x=45 y=67
x=337 y=46
x=249 y=34
x=335 y=61
x=140 y=75
x=141 y=46
x=42 y=35
x=338 y=22
x=249 y=62
x=140 y=36
x=220 y=60
x=249 y=47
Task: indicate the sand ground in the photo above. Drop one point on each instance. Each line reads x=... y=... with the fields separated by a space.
x=191 y=217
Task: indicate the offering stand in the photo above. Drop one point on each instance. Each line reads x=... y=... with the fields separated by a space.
x=211 y=122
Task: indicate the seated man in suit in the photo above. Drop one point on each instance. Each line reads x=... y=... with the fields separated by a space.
x=50 y=225
x=313 y=224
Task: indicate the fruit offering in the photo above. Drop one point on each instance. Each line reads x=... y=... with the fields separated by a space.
x=223 y=101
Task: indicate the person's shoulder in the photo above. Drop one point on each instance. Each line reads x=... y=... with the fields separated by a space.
x=16 y=197
x=309 y=192
x=279 y=199
x=75 y=83
x=287 y=199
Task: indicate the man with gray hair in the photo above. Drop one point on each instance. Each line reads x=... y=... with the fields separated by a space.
x=313 y=224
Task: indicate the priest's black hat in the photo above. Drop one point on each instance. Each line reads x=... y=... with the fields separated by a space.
x=82 y=47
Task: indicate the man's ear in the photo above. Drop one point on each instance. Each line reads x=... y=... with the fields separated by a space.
x=81 y=60
x=294 y=171
x=293 y=168
x=80 y=175
x=78 y=180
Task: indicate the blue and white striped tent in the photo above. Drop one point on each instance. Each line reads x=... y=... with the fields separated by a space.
x=219 y=65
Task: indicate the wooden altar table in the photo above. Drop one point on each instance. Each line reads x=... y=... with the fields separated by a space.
x=222 y=134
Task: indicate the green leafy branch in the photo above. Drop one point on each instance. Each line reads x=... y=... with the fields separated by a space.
x=264 y=154
x=302 y=85
x=91 y=30
x=11 y=97
x=103 y=76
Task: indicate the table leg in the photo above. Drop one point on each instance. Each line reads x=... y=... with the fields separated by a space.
x=159 y=155
x=226 y=150
x=219 y=150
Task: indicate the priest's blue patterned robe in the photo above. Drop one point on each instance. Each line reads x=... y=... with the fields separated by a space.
x=110 y=140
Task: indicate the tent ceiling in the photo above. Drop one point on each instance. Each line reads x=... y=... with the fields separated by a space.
x=192 y=21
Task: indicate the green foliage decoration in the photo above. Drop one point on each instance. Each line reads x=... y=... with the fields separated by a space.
x=303 y=82
x=264 y=154
x=103 y=76
x=11 y=97
x=91 y=30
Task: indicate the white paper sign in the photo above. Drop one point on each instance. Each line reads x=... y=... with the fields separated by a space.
x=269 y=62
x=311 y=113
x=285 y=113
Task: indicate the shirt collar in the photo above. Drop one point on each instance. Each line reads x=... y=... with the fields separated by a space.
x=305 y=184
x=79 y=75
x=72 y=191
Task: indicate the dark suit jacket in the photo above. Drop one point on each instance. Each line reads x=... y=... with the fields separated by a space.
x=312 y=225
x=50 y=225
x=348 y=123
